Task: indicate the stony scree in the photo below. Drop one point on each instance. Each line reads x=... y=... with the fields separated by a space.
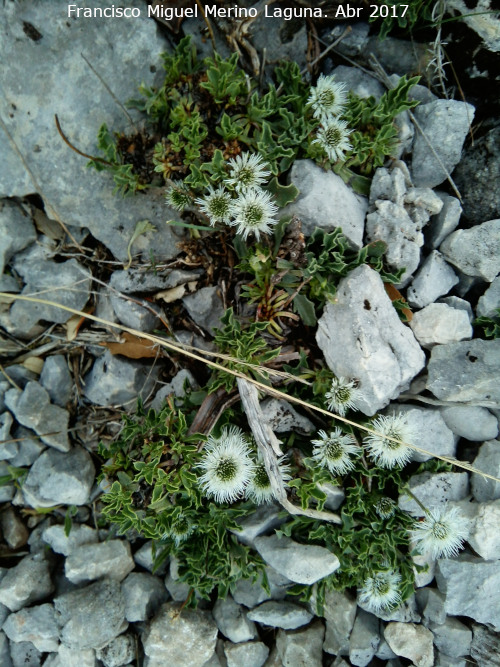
x=445 y=222
x=301 y=563
x=302 y=646
x=434 y=490
x=433 y=279
x=439 y=324
x=143 y=594
x=119 y=651
x=362 y=337
x=55 y=536
x=431 y=604
x=250 y=654
x=136 y=313
x=484 y=647
x=15 y=533
x=411 y=641
x=36 y=625
x=475 y=251
x=205 y=308
x=452 y=638
x=261 y=521
x=429 y=428
x=488 y=461
x=339 y=613
x=90 y=617
x=364 y=640
x=16 y=231
x=56 y=379
x=233 y=621
x=27 y=582
x=175 y=387
x=9 y=449
x=284 y=614
x=445 y=124
x=252 y=593
x=282 y=417
x=471 y=422
x=134 y=281
x=325 y=201
x=88 y=562
x=489 y=302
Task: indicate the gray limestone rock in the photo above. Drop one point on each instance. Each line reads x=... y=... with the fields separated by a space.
x=25 y=654
x=7 y=491
x=14 y=531
x=9 y=449
x=90 y=617
x=339 y=613
x=470 y=586
x=60 y=478
x=434 y=490
x=263 y=520
x=88 y=562
x=136 y=313
x=27 y=582
x=487 y=460
x=390 y=185
x=69 y=657
x=471 y=422
x=138 y=281
x=475 y=251
x=58 y=70
x=36 y=625
x=411 y=641
x=185 y=640
x=445 y=222
x=459 y=304
x=114 y=380
x=119 y=651
x=143 y=594
x=5 y=658
x=250 y=654
x=489 y=303
x=358 y=81
x=285 y=615
x=452 y=638
x=325 y=201
x=282 y=416
x=440 y=324
x=484 y=647
x=445 y=124
x=429 y=429
x=16 y=231
x=233 y=621
x=301 y=563
x=175 y=386
x=251 y=593
x=205 y=308
x=56 y=379
x=32 y=408
x=365 y=639
x=64 y=544
x=433 y=279
x=431 y=604
x=466 y=372
x=335 y=495
x=301 y=647
x=362 y=337
x=144 y=558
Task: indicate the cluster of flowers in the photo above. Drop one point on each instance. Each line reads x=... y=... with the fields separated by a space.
x=239 y=201
x=328 y=100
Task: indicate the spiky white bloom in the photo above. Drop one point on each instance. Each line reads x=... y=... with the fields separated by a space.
x=181 y=528
x=388 y=453
x=259 y=488
x=216 y=205
x=333 y=137
x=178 y=195
x=227 y=465
x=247 y=170
x=334 y=450
x=342 y=396
x=253 y=212
x=381 y=591
x=328 y=97
x=385 y=507
x=441 y=533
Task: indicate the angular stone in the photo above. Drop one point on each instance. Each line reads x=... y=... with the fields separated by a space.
x=69 y=657
x=119 y=651
x=16 y=231
x=301 y=647
x=475 y=251
x=362 y=337
x=411 y=641
x=334 y=495
x=489 y=303
x=104 y=559
x=484 y=647
x=445 y=222
x=5 y=658
x=471 y=422
x=175 y=386
x=452 y=638
x=60 y=478
x=64 y=544
x=325 y=201
x=24 y=654
x=32 y=408
x=136 y=315
x=263 y=520
x=9 y=449
x=429 y=431
x=302 y=563
x=390 y=185
x=433 y=279
x=27 y=582
x=14 y=531
x=487 y=460
x=251 y=593
x=144 y=558
x=56 y=379
x=250 y=654
x=431 y=603
x=36 y=625
x=285 y=615
x=445 y=124
x=364 y=640
x=438 y=323
x=471 y=588
x=339 y=613
x=205 y=308
x=459 y=304
x=233 y=621
x=92 y=616
x=29 y=447
x=184 y=639
x=138 y=281
x=356 y=80
x=466 y=372
x=143 y=594
x=282 y=417
x=434 y=490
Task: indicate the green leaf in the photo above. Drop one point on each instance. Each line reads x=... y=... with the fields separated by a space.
x=283 y=194
x=304 y=308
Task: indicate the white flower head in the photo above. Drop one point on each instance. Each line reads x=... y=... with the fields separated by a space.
x=385 y=452
x=328 y=97
x=247 y=170
x=227 y=466
x=259 y=488
x=253 y=212
x=216 y=205
x=441 y=533
x=333 y=137
x=334 y=450
x=342 y=396
x=182 y=528
x=385 y=507
x=178 y=196
x=381 y=591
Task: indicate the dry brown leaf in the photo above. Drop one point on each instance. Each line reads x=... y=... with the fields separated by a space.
x=133 y=347
x=33 y=364
x=394 y=294
x=74 y=323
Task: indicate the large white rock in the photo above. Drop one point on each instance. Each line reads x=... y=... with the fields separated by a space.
x=475 y=251
x=438 y=323
x=411 y=641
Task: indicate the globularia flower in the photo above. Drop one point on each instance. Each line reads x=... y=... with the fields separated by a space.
x=328 y=98
x=388 y=453
x=441 y=533
x=333 y=137
x=259 y=487
x=216 y=205
x=333 y=451
x=253 y=212
x=343 y=395
x=385 y=507
x=381 y=591
x=247 y=170
x=178 y=196
x=227 y=466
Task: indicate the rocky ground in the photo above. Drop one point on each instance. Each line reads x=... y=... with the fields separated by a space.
x=90 y=598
